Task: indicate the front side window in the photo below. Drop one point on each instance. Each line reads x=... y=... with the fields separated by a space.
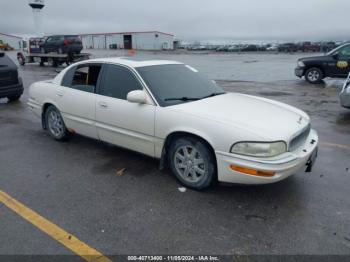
x=178 y=83
x=82 y=77
x=345 y=51
x=118 y=82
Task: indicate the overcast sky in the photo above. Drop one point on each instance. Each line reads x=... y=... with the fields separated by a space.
x=187 y=19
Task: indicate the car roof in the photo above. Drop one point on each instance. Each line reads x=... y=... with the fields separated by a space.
x=132 y=62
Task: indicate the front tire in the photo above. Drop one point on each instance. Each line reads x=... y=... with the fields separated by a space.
x=314 y=75
x=192 y=162
x=55 y=125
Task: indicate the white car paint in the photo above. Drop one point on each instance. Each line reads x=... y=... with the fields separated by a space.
x=221 y=120
x=344 y=95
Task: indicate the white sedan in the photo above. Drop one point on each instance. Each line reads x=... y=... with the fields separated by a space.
x=168 y=110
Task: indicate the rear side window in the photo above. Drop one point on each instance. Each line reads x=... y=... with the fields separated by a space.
x=118 y=82
x=82 y=77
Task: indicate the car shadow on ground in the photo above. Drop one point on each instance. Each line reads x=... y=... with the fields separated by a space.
x=146 y=170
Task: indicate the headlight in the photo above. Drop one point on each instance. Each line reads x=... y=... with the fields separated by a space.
x=301 y=64
x=259 y=149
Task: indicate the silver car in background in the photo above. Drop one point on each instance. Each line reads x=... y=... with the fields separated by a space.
x=345 y=93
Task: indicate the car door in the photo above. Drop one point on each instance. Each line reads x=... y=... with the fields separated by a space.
x=342 y=62
x=129 y=125
x=46 y=44
x=76 y=98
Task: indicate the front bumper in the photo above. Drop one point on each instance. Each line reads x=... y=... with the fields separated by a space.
x=284 y=165
x=11 y=90
x=299 y=71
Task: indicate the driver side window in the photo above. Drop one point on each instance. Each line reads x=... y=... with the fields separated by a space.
x=345 y=51
x=118 y=82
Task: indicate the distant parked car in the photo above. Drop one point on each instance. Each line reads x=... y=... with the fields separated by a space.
x=328 y=46
x=222 y=48
x=10 y=84
x=309 y=47
x=168 y=110
x=249 y=48
x=335 y=63
x=273 y=47
x=233 y=48
x=288 y=48
x=62 y=44
x=345 y=94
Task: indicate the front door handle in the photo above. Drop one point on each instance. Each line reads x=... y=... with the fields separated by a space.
x=103 y=104
x=59 y=93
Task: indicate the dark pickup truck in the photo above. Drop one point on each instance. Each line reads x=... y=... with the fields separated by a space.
x=335 y=63
x=10 y=84
x=62 y=44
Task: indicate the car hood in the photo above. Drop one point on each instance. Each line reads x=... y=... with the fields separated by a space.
x=315 y=58
x=267 y=119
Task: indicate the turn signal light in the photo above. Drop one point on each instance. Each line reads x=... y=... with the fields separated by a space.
x=252 y=172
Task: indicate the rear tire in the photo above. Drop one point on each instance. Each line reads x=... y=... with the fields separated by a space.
x=192 y=162
x=13 y=98
x=314 y=75
x=55 y=125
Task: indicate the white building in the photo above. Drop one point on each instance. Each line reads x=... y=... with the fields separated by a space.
x=150 y=40
x=13 y=40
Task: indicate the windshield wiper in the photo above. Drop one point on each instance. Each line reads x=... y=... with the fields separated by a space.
x=185 y=98
x=212 y=94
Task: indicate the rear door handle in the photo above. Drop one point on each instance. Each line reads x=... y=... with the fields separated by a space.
x=59 y=93
x=103 y=104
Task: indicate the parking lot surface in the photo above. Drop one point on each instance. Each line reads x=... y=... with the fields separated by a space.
x=75 y=184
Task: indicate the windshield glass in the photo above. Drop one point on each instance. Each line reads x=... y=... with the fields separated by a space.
x=176 y=84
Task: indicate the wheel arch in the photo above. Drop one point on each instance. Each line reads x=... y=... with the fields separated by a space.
x=177 y=134
x=45 y=105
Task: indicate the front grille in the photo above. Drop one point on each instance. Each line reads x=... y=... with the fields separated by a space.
x=299 y=139
x=8 y=78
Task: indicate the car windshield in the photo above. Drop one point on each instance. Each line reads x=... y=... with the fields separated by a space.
x=178 y=83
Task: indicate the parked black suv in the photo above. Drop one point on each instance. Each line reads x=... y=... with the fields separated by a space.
x=288 y=48
x=10 y=84
x=336 y=63
x=62 y=44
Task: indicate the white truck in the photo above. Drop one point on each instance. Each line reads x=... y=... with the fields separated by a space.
x=31 y=53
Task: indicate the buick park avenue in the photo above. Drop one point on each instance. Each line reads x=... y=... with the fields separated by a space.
x=168 y=110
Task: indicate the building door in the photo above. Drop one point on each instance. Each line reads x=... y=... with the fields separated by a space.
x=127 y=42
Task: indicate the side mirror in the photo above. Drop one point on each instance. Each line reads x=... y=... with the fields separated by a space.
x=137 y=96
x=336 y=56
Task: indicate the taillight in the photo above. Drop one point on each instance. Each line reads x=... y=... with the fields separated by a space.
x=66 y=42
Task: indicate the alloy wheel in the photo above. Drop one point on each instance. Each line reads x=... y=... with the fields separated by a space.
x=189 y=163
